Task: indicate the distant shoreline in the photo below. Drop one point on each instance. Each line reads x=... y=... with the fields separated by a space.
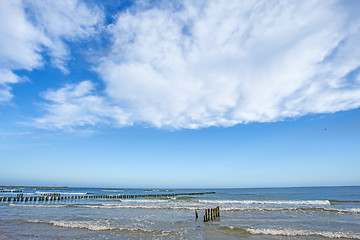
x=27 y=186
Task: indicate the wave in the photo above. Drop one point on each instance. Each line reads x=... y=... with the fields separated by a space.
x=264 y=202
x=40 y=205
x=193 y=203
x=333 y=210
x=64 y=193
x=193 y=207
x=105 y=206
x=295 y=232
x=106 y=190
x=295 y=209
x=96 y=226
x=184 y=198
x=159 y=190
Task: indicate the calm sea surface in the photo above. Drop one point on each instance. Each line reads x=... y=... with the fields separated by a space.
x=268 y=213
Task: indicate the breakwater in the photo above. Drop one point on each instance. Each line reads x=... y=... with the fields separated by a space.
x=211 y=214
x=59 y=197
x=31 y=186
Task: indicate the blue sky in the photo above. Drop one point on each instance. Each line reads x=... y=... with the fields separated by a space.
x=180 y=94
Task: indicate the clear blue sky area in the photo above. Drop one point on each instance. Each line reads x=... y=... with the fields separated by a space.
x=179 y=94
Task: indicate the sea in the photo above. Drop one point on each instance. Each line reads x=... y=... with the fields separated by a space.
x=245 y=213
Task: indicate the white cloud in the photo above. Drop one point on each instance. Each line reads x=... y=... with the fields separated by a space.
x=76 y=105
x=7 y=77
x=69 y=20
x=28 y=28
x=229 y=62
x=219 y=63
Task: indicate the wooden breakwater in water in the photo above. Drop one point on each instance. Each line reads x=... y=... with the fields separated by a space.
x=31 y=186
x=59 y=197
x=211 y=214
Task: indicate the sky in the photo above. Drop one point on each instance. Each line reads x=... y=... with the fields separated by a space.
x=185 y=94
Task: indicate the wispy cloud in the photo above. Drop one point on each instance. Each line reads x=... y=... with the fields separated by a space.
x=220 y=63
x=32 y=28
x=77 y=105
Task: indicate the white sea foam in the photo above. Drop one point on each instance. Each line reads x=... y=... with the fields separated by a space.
x=294 y=232
x=91 y=225
x=139 y=206
x=144 y=201
x=96 y=226
x=350 y=210
x=260 y=202
x=64 y=193
x=189 y=206
x=39 y=205
x=105 y=190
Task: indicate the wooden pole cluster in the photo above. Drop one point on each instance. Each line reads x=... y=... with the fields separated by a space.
x=10 y=191
x=211 y=214
x=57 y=197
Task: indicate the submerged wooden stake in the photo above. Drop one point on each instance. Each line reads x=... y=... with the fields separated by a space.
x=211 y=214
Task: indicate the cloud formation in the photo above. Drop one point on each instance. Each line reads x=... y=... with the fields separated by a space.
x=219 y=63
x=197 y=64
x=77 y=105
x=32 y=28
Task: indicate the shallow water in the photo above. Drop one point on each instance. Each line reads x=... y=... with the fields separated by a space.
x=272 y=213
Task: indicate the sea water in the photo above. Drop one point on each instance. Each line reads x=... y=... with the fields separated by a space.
x=261 y=213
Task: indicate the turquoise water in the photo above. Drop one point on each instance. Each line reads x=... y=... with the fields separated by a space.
x=269 y=213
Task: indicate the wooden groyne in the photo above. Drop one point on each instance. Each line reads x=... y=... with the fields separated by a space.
x=211 y=214
x=31 y=186
x=59 y=197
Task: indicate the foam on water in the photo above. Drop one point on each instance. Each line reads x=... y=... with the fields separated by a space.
x=294 y=232
x=97 y=226
x=258 y=202
x=106 y=190
x=302 y=213
x=64 y=193
x=91 y=225
x=189 y=205
x=39 y=205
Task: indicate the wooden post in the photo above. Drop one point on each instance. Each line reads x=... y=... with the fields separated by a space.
x=196 y=214
x=207 y=214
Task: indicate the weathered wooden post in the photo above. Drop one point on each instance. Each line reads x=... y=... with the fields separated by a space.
x=207 y=215
x=196 y=214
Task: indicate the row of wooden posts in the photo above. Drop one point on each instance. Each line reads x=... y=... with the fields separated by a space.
x=51 y=194
x=57 y=197
x=210 y=214
x=10 y=191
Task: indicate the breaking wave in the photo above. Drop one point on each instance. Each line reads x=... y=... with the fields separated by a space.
x=294 y=232
x=96 y=226
x=258 y=202
x=193 y=207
